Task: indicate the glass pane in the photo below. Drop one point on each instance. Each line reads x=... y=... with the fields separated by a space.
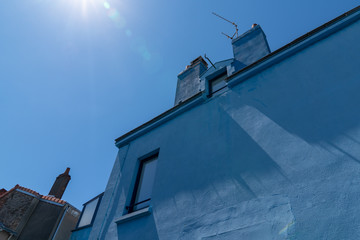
x=88 y=213
x=146 y=183
x=218 y=83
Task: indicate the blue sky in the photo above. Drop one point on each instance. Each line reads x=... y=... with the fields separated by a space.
x=76 y=74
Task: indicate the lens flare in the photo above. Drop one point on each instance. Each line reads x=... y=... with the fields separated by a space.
x=106 y=5
x=87 y=8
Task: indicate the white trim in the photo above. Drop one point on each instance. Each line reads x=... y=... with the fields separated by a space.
x=133 y=215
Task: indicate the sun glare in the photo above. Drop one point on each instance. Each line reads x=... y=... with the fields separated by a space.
x=89 y=8
x=86 y=9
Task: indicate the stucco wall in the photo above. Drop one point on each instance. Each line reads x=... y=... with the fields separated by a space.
x=81 y=234
x=276 y=157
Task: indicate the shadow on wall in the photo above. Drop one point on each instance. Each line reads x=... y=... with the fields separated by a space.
x=135 y=229
x=236 y=172
x=313 y=95
x=222 y=176
x=317 y=100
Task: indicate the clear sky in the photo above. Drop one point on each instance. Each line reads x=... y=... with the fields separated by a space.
x=76 y=74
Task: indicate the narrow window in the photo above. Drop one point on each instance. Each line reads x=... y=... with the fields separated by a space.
x=218 y=83
x=89 y=211
x=144 y=183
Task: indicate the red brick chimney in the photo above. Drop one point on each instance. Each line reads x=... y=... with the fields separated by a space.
x=60 y=184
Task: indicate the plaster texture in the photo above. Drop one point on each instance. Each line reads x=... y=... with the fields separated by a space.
x=189 y=83
x=274 y=157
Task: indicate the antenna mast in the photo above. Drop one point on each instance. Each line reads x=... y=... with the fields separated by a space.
x=209 y=61
x=236 y=27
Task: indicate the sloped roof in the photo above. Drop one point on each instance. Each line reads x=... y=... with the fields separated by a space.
x=35 y=194
x=3 y=227
x=2 y=191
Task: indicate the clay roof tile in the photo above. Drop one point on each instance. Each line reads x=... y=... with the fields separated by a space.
x=48 y=198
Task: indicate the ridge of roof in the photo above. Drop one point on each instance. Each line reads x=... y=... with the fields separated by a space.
x=36 y=194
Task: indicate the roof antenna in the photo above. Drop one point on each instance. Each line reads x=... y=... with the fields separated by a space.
x=236 y=27
x=209 y=61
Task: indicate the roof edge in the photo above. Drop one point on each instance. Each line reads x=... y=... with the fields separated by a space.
x=244 y=73
x=295 y=46
x=164 y=117
x=28 y=191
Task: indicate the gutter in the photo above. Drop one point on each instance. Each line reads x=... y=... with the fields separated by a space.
x=190 y=103
x=275 y=57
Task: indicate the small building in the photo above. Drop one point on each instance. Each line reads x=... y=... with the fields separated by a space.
x=264 y=145
x=28 y=215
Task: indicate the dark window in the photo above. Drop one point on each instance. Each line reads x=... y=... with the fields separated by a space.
x=144 y=183
x=218 y=83
x=89 y=211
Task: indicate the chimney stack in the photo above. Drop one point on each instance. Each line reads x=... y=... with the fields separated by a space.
x=248 y=48
x=188 y=83
x=60 y=184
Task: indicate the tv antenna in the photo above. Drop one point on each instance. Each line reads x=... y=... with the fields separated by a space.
x=209 y=61
x=236 y=27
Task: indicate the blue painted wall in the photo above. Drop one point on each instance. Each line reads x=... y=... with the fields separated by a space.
x=80 y=234
x=274 y=157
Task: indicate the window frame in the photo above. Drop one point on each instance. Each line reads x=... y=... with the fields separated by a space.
x=209 y=80
x=153 y=156
x=99 y=197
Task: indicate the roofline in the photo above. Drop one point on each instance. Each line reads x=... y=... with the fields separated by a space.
x=162 y=118
x=28 y=191
x=97 y=196
x=295 y=46
x=280 y=54
x=202 y=74
x=4 y=228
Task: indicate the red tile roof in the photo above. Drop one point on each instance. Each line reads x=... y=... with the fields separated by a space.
x=36 y=194
x=27 y=190
x=2 y=191
x=53 y=199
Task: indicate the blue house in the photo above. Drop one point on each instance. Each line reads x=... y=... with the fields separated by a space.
x=265 y=145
